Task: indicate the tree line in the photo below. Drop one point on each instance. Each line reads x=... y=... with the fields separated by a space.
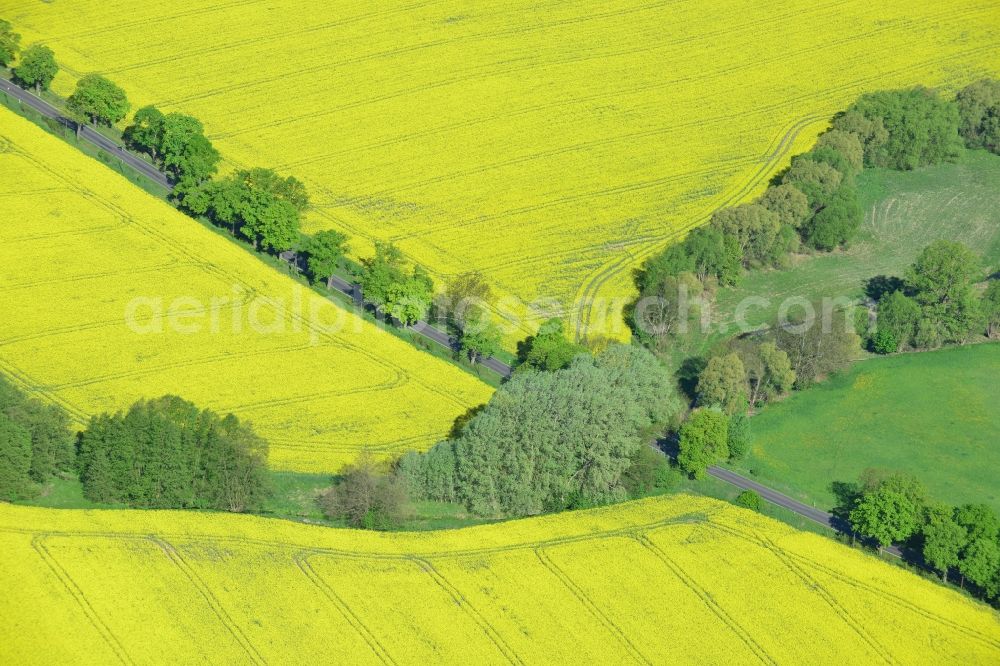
x=256 y=205
x=158 y=454
x=813 y=204
x=961 y=542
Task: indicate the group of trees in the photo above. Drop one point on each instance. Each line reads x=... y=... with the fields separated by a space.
x=547 y=441
x=935 y=302
x=166 y=453
x=35 y=443
x=814 y=202
x=405 y=293
x=177 y=143
x=894 y=509
x=464 y=307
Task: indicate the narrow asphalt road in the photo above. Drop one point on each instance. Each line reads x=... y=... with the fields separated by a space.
x=423 y=328
x=784 y=501
x=87 y=133
x=145 y=168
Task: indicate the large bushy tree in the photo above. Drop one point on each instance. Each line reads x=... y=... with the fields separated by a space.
x=549 y=349
x=37 y=67
x=37 y=443
x=99 y=100
x=940 y=281
x=552 y=440
x=703 y=440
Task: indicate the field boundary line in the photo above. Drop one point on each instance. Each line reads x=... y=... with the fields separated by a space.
x=811 y=583
x=756 y=648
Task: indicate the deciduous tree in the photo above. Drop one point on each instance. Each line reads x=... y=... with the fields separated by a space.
x=325 y=251
x=979 y=111
x=37 y=67
x=98 y=99
x=10 y=43
x=723 y=383
x=703 y=441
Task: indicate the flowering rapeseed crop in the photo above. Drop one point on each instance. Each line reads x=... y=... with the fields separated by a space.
x=552 y=145
x=666 y=580
x=111 y=295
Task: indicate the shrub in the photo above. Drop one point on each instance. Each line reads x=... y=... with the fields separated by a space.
x=748 y=499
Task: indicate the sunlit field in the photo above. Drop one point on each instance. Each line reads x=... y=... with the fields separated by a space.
x=673 y=579
x=551 y=145
x=111 y=295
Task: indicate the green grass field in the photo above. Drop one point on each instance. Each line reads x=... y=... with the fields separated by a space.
x=933 y=414
x=905 y=211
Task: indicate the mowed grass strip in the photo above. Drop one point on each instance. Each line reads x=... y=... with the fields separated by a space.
x=932 y=414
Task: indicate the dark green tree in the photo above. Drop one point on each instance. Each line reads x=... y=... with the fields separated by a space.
x=186 y=153
x=10 y=43
x=979 y=111
x=15 y=460
x=920 y=128
x=325 y=252
x=99 y=100
x=549 y=349
x=145 y=134
x=886 y=515
x=837 y=222
x=989 y=308
x=940 y=281
x=979 y=563
x=898 y=315
x=165 y=453
x=738 y=440
x=52 y=443
x=37 y=67
x=944 y=539
x=979 y=520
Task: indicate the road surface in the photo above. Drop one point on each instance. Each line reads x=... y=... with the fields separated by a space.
x=793 y=505
x=87 y=133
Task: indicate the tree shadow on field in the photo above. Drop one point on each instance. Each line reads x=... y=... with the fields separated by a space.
x=463 y=419
x=687 y=375
x=882 y=285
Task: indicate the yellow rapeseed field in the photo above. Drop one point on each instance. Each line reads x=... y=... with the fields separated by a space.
x=110 y=295
x=668 y=580
x=552 y=145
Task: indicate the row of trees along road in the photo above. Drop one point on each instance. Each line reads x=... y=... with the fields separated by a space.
x=893 y=508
